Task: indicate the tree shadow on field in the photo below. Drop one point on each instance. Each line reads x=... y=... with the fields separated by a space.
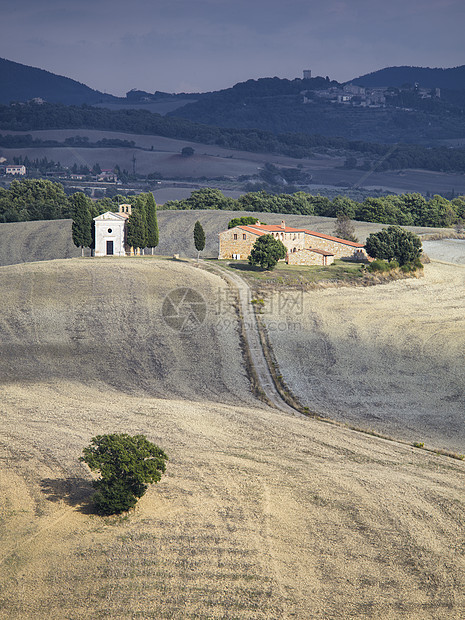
x=245 y=267
x=74 y=491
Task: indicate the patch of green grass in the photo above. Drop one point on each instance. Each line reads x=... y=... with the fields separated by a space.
x=296 y=275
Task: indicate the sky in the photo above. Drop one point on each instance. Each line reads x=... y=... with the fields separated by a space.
x=202 y=45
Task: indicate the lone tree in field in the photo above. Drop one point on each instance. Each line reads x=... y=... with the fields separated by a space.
x=152 y=224
x=199 y=238
x=394 y=243
x=127 y=464
x=187 y=151
x=82 y=221
x=266 y=252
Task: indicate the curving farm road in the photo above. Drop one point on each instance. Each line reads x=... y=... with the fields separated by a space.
x=253 y=341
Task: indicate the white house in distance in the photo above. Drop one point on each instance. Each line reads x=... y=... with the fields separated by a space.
x=110 y=232
x=15 y=170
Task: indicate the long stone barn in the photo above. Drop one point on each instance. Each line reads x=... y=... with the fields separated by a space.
x=304 y=247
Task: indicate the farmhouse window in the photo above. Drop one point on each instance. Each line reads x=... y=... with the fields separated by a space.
x=235 y=236
x=244 y=236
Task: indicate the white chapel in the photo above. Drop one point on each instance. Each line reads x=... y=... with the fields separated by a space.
x=110 y=232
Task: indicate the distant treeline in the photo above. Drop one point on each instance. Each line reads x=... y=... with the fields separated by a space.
x=33 y=116
x=40 y=199
x=405 y=210
x=12 y=141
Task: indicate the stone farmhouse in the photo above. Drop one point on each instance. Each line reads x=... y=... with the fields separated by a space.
x=304 y=247
x=110 y=232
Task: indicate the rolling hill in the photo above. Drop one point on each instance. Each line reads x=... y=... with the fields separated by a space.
x=450 y=79
x=386 y=358
x=260 y=515
x=22 y=83
x=273 y=105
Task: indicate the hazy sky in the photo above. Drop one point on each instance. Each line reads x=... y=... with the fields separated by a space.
x=200 y=45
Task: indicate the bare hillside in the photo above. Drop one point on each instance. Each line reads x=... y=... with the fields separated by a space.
x=101 y=321
x=22 y=242
x=387 y=357
x=448 y=250
x=260 y=516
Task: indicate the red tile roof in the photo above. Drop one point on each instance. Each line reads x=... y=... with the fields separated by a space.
x=252 y=230
x=324 y=252
x=264 y=229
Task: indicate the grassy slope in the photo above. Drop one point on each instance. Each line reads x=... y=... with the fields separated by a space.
x=260 y=515
x=99 y=321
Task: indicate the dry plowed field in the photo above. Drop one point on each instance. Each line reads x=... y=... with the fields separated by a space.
x=389 y=357
x=260 y=514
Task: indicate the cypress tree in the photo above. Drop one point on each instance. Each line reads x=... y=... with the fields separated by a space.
x=199 y=238
x=82 y=221
x=136 y=235
x=152 y=224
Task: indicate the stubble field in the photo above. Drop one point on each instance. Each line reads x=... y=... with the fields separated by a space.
x=260 y=515
x=388 y=357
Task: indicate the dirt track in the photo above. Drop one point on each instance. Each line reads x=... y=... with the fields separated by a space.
x=260 y=515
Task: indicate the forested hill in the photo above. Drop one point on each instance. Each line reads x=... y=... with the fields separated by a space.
x=450 y=79
x=22 y=83
x=273 y=106
x=283 y=106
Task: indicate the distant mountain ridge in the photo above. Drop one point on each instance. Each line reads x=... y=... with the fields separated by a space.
x=23 y=83
x=450 y=79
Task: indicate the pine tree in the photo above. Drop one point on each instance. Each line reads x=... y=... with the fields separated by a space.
x=82 y=221
x=199 y=238
x=152 y=224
